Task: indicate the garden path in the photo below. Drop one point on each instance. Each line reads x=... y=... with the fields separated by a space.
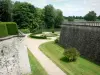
x=48 y=65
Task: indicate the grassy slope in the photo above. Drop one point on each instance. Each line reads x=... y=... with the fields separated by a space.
x=36 y=68
x=80 y=67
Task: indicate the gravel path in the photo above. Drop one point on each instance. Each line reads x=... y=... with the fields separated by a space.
x=47 y=64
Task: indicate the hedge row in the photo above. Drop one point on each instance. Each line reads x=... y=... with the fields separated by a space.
x=37 y=37
x=8 y=28
x=3 y=30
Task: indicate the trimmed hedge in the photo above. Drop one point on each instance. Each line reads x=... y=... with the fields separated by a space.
x=12 y=28
x=37 y=37
x=3 y=30
x=8 y=28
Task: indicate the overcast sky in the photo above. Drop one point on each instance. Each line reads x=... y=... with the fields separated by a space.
x=69 y=7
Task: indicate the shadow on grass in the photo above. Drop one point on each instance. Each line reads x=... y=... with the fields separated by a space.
x=92 y=61
x=64 y=59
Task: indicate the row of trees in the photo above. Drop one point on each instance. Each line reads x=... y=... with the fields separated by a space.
x=91 y=16
x=28 y=16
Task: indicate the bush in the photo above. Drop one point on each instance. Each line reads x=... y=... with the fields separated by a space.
x=38 y=37
x=70 y=19
x=3 y=30
x=57 y=40
x=71 y=54
x=12 y=28
x=25 y=30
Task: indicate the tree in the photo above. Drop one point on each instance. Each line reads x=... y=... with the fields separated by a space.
x=98 y=17
x=70 y=18
x=49 y=16
x=5 y=10
x=91 y=16
x=23 y=14
x=58 y=18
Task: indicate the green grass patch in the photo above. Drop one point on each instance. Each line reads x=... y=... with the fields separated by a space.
x=79 y=67
x=36 y=68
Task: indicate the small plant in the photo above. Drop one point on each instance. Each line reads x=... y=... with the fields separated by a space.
x=71 y=54
x=57 y=40
x=53 y=31
x=44 y=36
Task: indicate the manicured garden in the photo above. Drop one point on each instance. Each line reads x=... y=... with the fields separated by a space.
x=36 y=68
x=79 y=67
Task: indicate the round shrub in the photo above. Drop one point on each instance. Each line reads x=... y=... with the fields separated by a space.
x=71 y=54
x=57 y=40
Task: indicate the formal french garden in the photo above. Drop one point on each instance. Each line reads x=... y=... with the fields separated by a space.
x=45 y=24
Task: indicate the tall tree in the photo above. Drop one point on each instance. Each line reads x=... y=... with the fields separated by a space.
x=49 y=16
x=23 y=14
x=5 y=10
x=58 y=18
x=91 y=16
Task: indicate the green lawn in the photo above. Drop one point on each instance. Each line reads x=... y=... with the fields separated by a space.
x=80 y=67
x=36 y=68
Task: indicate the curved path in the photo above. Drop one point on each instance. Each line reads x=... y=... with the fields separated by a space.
x=46 y=63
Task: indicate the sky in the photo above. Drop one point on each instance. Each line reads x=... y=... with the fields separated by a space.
x=69 y=7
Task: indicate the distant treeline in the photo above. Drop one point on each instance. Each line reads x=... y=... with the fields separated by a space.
x=91 y=16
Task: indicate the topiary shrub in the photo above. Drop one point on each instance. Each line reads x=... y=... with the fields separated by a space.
x=3 y=30
x=57 y=40
x=12 y=28
x=38 y=37
x=71 y=54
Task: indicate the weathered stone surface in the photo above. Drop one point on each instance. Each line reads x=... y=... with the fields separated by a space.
x=11 y=51
x=85 y=38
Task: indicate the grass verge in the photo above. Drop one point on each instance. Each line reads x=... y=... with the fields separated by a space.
x=36 y=68
x=79 y=67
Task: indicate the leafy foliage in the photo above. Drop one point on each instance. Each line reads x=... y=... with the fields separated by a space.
x=49 y=16
x=91 y=16
x=23 y=14
x=71 y=54
x=58 y=18
x=5 y=10
x=57 y=40
x=70 y=18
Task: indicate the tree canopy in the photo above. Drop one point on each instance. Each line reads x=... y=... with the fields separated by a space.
x=28 y=16
x=91 y=16
x=5 y=10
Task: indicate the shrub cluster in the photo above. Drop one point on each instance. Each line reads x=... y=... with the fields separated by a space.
x=57 y=40
x=8 y=28
x=71 y=54
x=38 y=37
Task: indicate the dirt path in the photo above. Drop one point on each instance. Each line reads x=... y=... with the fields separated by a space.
x=47 y=64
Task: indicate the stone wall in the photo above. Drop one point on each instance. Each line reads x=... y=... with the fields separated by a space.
x=12 y=59
x=85 y=38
